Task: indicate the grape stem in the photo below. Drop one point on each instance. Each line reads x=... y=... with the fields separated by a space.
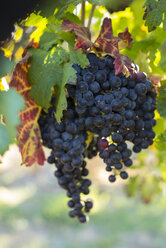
x=91 y=15
x=83 y=12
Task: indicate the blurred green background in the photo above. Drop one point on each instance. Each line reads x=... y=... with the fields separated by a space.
x=33 y=211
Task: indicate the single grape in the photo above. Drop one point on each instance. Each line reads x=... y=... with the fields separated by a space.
x=103 y=144
x=112 y=178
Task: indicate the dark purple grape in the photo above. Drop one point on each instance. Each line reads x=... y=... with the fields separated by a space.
x=112 y=178
x=141 y=77
x=123 y=175
x=103 y=144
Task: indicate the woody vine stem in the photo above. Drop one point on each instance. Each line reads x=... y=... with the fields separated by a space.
x=83 y=14
x=91 y=15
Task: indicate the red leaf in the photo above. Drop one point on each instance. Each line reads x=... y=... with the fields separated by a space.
x=156 y=81
x=30 y=44
x=124 y=64
x=82 y=33
x=28 y=133
x=106 y=42
x=126 y=37
x=106 y=29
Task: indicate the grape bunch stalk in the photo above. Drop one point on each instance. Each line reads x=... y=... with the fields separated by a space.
x=117 y=110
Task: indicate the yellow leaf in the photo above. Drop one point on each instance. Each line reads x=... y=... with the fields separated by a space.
x=39 y=22
x=89 y=139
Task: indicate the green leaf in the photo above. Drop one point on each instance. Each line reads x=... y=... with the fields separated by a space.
x=68 y=37
x=154 y=13
x=77 y=57
x=44 y=73
x=68 y=74
x=47 y=40
x=63 y=5
x=4 y=139
x=6 y=66
x=55 y=27
x=37 y=21
x=152 y=3
x=161 y=142
x=161 y=106
x=153 y=19
x=58 y=7
x=11 y=104
x=72 y=17
x=161 y=101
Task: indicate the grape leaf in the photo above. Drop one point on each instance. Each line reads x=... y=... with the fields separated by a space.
x=58 y=8
x=156 y=80
x=29 y=132
x=67 y=74
x=161 y=142
x=72 y=17
x=82 y=33
x=154 y=12
x=63 y=6
x=162 y=100
x=47 y=40
x=126 y=38
x=106 y=42
x=4 y=139
x=11 y=104
x=37 y=21
x=153 y=19
x=123 y=64
x=54 y=27
x=77 y=57
x=44 y=73
x=6 y=66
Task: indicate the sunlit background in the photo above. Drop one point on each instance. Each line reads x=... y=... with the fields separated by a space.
x=33 y=210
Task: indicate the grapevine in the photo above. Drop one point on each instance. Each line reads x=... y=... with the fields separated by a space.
x=80 y=97
x=108 y=106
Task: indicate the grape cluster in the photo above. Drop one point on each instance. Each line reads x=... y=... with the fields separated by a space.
x=67 y=140
x=117 y=110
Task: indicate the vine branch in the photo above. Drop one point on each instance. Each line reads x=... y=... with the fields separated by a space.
x=91 y=15
x=83 y=12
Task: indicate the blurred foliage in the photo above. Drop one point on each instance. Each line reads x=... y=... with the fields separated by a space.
x=33 y=214
x=11 y=104
x=155 y=14
x=6 y=65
